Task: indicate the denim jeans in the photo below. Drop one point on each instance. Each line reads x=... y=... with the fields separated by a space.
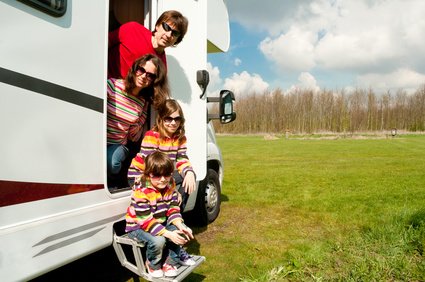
x=158 y=247
x=117 y=155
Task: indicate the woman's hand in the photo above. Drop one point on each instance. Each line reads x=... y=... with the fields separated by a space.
x=189 y=182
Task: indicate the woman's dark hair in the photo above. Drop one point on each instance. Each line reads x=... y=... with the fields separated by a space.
x=159 y=90
x=180 y=22
x=166 y=110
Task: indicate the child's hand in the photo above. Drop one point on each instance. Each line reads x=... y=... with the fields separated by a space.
x=179 y=198
x=189 y=182
x=176 y=237
x=185 y=230
x=188 y=233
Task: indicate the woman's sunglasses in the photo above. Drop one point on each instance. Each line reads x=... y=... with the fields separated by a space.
x=149 y=75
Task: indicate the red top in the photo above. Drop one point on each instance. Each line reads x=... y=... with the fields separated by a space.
x=126 y=44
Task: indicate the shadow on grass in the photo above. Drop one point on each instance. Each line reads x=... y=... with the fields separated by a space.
x=417 y=220
x=224 y=198
x=194 y=277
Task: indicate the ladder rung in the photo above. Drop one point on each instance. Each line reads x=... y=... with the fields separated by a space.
x=139 y=267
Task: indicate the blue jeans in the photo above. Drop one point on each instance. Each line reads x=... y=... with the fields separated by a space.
x=157 y=247
x=117 y=155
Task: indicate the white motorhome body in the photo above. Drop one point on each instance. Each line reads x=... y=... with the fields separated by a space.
x=54 y=204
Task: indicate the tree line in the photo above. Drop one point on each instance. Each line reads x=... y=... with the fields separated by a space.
x=304 y=111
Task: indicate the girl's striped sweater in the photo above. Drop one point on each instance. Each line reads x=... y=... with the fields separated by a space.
x=151 y=209
x=175 y=149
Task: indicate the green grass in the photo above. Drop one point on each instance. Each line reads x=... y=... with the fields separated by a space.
x=318 y=210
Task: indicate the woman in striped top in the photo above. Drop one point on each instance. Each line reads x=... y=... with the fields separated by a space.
x=167 y=136
x=127 y=107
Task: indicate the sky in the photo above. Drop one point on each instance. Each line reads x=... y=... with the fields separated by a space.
x=322 y=44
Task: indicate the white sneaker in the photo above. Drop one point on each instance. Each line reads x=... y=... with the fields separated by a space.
x=169 y=270
x=185 y=258
x=155 y=273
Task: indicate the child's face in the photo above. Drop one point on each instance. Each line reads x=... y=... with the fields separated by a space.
x=160 y=182
x=172 y=123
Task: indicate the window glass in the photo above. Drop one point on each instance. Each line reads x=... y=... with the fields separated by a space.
x=56 y=8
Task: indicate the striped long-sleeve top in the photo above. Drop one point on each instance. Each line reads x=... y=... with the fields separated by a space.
x=151 y=209
x=175 y=149
x=126 y=113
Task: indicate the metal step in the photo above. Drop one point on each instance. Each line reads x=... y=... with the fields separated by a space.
x=139 y=266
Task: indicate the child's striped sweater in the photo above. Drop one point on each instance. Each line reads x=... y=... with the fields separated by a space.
x=152 y=142
x=151 y=209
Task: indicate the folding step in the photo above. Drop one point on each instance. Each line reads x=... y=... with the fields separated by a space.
x=139 y=266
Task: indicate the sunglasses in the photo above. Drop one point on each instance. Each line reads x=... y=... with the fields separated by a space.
x=168 y=28
x=170 y=119
x=149 y=75
x=158 y=177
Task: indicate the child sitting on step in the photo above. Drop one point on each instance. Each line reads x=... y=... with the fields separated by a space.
x=154 y=216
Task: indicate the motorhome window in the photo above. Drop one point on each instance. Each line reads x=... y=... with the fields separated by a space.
x=55 y=8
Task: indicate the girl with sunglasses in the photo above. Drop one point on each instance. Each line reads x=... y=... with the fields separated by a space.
x=154 y=216
x=127 y=106
x=168 y=136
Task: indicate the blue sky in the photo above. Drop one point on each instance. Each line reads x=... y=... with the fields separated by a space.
x=322 y=44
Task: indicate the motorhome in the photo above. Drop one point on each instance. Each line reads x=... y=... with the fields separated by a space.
x=55 y=206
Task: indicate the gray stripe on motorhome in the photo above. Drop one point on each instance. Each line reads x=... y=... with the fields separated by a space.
x=79 y=229
x=68 y=242
x=52 y=90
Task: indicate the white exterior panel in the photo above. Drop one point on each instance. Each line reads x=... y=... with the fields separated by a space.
x=183 y=63
x=61 y=144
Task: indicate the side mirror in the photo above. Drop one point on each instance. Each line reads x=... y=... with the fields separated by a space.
x=226 y=106
x=203 y=79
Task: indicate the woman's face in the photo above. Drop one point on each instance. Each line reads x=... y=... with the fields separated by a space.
x=172 y=123
x=145 y=75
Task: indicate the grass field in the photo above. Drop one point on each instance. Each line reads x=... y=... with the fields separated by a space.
x=318 y=210
x=305 y=209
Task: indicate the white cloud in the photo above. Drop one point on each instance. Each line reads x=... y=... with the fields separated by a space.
x=291 y=51
x=403 y=78
x=374 y=41
x=306 y=82
x=270 y=15
x=237 y=62
x=215 y=79
x=245 y=83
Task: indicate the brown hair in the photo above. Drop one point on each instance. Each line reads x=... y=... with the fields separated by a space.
x=158 y=164
x=158 y=91
x=167 y=109
x=180 y=22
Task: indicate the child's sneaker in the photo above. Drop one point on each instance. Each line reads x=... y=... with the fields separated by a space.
x=169 y=270
x=155 y=273
x=185 y=258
